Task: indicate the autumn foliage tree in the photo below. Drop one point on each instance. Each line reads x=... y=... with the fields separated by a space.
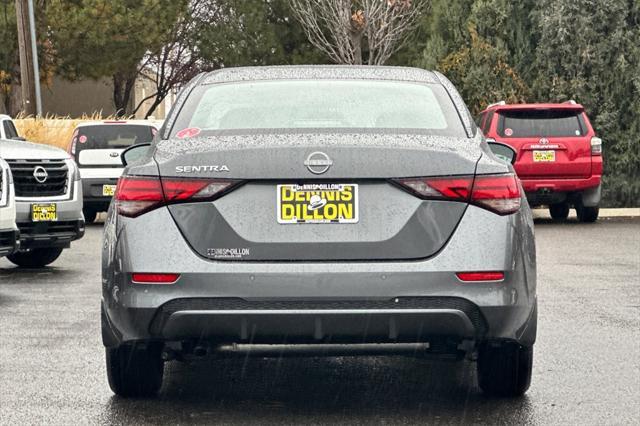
x=358 y=31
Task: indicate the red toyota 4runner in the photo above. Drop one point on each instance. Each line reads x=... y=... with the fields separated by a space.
x=558 y=156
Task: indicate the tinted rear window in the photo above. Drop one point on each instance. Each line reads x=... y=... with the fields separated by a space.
x=541 y=123
x=113 y=136
x=321 y=104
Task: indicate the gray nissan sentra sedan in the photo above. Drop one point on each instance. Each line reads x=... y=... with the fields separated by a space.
x=319 y=211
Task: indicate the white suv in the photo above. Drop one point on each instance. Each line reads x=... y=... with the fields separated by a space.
x=48 y=196
x=8 y=129
x=9 y=235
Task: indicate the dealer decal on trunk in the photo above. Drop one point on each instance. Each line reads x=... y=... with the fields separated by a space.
x=228 y=253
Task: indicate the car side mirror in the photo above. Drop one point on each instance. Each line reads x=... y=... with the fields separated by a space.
x=134 y=153
x=19 y=138
x=502 y=151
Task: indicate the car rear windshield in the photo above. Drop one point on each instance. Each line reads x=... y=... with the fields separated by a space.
x=541 y=123
x=320 y=104
x=108 y=136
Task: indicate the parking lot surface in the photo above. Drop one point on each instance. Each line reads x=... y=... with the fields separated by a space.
x=586 y=363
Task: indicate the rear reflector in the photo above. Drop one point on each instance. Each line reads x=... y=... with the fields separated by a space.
x=145 y=278
x=480 y=276
x=136 y=195
x=498 y=193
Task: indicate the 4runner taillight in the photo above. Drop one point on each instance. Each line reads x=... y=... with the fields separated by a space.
x=136 y=195
x=498 y=193
x=596 y=146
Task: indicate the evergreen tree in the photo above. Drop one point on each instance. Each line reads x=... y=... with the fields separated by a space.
x=254 y=32
x=97 y=38
x=590 y=51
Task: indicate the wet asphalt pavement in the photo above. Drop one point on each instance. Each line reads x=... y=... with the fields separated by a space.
x=586 y=364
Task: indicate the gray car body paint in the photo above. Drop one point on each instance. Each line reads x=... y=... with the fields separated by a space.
x=175 y=239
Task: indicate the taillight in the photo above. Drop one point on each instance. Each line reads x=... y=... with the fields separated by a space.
x=449 y=188
x=596 y=146
x=136 y=195
x=498 y=193
x=154 y=278
x=480 y=276
x=74 y=141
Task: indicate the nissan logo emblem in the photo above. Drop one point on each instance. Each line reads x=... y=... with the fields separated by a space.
x=318 y=162
x=40 y=174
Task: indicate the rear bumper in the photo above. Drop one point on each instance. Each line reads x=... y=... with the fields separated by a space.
x=406 y=319
x=346 y=302
x=548 y=191
x=9 y=241
x=92 y=189
x=50 y=234
x=432 y=319
x=560 y=185
x=69 y=227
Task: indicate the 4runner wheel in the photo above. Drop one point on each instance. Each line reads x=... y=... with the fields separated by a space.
x=559 y=211
x=134 y=372
x=587 y=214
x=35 y=258
x=89 y=215
x=505 y=370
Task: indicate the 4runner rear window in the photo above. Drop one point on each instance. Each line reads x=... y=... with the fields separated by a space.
x=541 y=123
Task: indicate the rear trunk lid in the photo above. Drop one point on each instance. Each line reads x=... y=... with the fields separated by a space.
x=264 y=219
x=551 y=142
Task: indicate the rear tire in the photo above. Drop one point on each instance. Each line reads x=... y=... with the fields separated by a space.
x=505 y=370
x=587 y=214
x=134 y=371
x=89 y=215
x=35 y=258
x=559 y=211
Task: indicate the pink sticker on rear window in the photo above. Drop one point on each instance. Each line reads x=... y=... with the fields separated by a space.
x=82 y=139
x=188 y=132
x=508 y=132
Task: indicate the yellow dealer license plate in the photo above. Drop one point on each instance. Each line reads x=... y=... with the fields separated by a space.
x=108 y=190
x=544 y=156
x=318 y=203
x=44 y=213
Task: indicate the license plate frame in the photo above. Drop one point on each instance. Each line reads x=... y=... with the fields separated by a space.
x=544 y=156
x=44 y=212
x=321 y=203
x=108 y=190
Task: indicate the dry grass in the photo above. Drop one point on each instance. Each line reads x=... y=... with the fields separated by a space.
x=51 y=130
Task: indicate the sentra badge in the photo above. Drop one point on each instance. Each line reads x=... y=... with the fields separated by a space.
x=201 y=169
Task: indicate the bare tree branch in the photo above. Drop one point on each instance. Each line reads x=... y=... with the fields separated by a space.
x=177 y=61
x=338 y=27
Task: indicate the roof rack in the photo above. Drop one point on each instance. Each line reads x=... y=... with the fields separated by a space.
x=496 y=104
x=570 y=101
